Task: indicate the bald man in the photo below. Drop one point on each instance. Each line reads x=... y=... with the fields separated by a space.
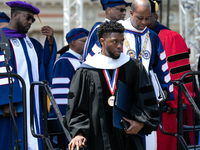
x=143 y=44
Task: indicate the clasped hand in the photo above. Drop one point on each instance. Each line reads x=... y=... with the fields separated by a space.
x=135 y=126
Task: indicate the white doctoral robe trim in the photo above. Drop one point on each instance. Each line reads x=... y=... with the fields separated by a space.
x=77 y=55
x=61 y=80
x=2 y=58
x=22 y=70
x=74 y=62
x=104 y=62
x=61 y=101
x=131 y=39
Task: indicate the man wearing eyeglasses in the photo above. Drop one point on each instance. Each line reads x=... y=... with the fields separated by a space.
x=33 y=63
x=63 y=71
x=114 y=10
x=65 y=66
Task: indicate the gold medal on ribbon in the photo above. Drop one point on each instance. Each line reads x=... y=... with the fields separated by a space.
x=111 y=101
x=111 y=84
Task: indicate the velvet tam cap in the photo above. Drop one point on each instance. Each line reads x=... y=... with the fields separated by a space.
x=76 y=33
x=23 y=6
x=4 y=17
x=112 y=3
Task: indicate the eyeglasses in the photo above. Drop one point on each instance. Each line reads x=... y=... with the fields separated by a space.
x=121 y=9
x=29 y=17
x=82 y=41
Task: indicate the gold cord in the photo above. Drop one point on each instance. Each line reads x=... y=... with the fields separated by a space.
x=127 y=44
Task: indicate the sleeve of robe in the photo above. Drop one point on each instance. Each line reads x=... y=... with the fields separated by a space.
x=77 y=118
x=145 y=108
x=178 y=61
x=49 y=60
x=62 y=75
x=91 y=41
x=160 y=66
x=4 y=86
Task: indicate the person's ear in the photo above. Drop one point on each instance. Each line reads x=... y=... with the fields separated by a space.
x=131 y=13
x=108 y=10
x=73 y=43
x=15 y=15
x=101 y=40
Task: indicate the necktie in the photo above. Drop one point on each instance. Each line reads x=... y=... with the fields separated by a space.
x=138 y=45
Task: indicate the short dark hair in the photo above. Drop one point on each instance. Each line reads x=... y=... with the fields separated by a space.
x=109 y=27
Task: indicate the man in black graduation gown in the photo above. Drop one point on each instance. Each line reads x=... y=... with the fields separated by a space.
x=89 y=113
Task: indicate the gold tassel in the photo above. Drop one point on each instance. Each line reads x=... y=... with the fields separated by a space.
x=40 y=20
x=48 y=104
x=156 y=6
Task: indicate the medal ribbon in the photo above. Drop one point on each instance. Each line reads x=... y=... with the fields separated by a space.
x=111 y=83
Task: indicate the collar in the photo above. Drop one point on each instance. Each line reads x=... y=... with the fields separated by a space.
x=130 y=29
x=106 y=19
x=159 y=27
x=77 y=55
x=12 y=33
x=100 y=61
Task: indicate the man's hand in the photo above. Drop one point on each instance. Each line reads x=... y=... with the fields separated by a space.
x=135 y=126
x=171 y=110
x=165 y=93
x=77 y=141
x=6 y=111
x=48 y=31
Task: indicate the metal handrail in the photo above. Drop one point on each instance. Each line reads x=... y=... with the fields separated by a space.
x=57 y=111
x=179 y=137
x=47 y=143
x=182 y=88
x=24 y=105
x=187 y=94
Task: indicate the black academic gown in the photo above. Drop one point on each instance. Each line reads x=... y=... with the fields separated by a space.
x=88 y=111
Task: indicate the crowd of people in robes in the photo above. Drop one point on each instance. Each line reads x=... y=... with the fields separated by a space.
x=86 y=77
